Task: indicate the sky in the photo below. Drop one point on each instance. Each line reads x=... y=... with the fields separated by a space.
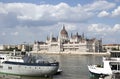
x=30 y=20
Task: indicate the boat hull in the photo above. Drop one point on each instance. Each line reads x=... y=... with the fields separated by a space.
x=29 y=70
x=97 y=72
x=96 y=75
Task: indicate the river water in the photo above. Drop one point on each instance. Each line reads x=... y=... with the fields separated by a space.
x=73 y=67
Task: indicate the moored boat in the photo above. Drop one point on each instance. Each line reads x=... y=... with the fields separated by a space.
x=111 y=65
x=27 y=65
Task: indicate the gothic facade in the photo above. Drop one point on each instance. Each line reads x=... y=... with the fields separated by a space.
x=64 y=43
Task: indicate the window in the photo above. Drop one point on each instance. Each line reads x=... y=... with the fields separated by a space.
x=1 y=58
x=1 y=66
x=10 y=68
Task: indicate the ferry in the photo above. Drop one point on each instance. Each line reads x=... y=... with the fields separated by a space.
x=111 y=65
x=27 y=65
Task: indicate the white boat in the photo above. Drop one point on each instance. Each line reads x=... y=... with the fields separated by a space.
x=111 y=65
x=27 y=65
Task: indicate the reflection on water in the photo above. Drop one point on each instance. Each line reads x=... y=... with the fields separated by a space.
x=73 y=66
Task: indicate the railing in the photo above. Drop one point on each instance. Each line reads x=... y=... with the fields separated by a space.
x=111 y=59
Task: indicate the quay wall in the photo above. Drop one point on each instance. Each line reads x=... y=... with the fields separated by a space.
x=62 y=53
x=72 y=53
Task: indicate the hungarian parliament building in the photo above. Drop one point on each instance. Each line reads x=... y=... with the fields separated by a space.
x=66 y=43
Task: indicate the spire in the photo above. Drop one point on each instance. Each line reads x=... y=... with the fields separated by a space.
x=77 y=34
x=83 y=35
x=101 y=39
x=63 y=26
x=35 y=41
x=47 y=37
x=71 y=35
x=51 y=36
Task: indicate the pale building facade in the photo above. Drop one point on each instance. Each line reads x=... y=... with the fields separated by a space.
x=64 y=43
x=111 y=47
x=2 y=47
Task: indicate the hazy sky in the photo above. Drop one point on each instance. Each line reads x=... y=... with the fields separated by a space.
x=30 y=20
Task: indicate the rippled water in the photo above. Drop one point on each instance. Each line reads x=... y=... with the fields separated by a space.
x=73 y=66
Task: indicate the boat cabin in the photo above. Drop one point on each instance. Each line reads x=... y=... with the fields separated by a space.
x=115 y=61
x=115 y=54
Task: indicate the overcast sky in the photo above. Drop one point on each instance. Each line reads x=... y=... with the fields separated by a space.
x=30 y=20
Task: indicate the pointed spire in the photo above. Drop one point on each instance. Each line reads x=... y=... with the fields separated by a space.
x=51 y=36
x=63 y=26
x=77 y=34
x=71 y=35
x=57 y=38
x=101 y=39
x=35 y=42
x=83 y=35
x=47 y=37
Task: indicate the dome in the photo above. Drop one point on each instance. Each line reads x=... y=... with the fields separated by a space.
x=63 y=32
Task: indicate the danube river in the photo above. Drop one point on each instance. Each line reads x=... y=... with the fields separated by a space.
x=73 y=66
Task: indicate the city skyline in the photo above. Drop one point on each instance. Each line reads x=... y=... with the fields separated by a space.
x=30 y=20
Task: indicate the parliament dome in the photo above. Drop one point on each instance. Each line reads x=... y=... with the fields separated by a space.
x=64 y=32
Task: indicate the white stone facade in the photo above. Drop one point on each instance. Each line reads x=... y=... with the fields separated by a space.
x=76 y=43
x=2 y=47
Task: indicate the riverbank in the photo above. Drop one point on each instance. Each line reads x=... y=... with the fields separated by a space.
x=62 y=53
x=72 y=53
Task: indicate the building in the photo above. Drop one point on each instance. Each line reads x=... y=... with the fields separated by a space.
x=19 y=47
x=64 y=43
x=2 y=47
x=111 y=47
